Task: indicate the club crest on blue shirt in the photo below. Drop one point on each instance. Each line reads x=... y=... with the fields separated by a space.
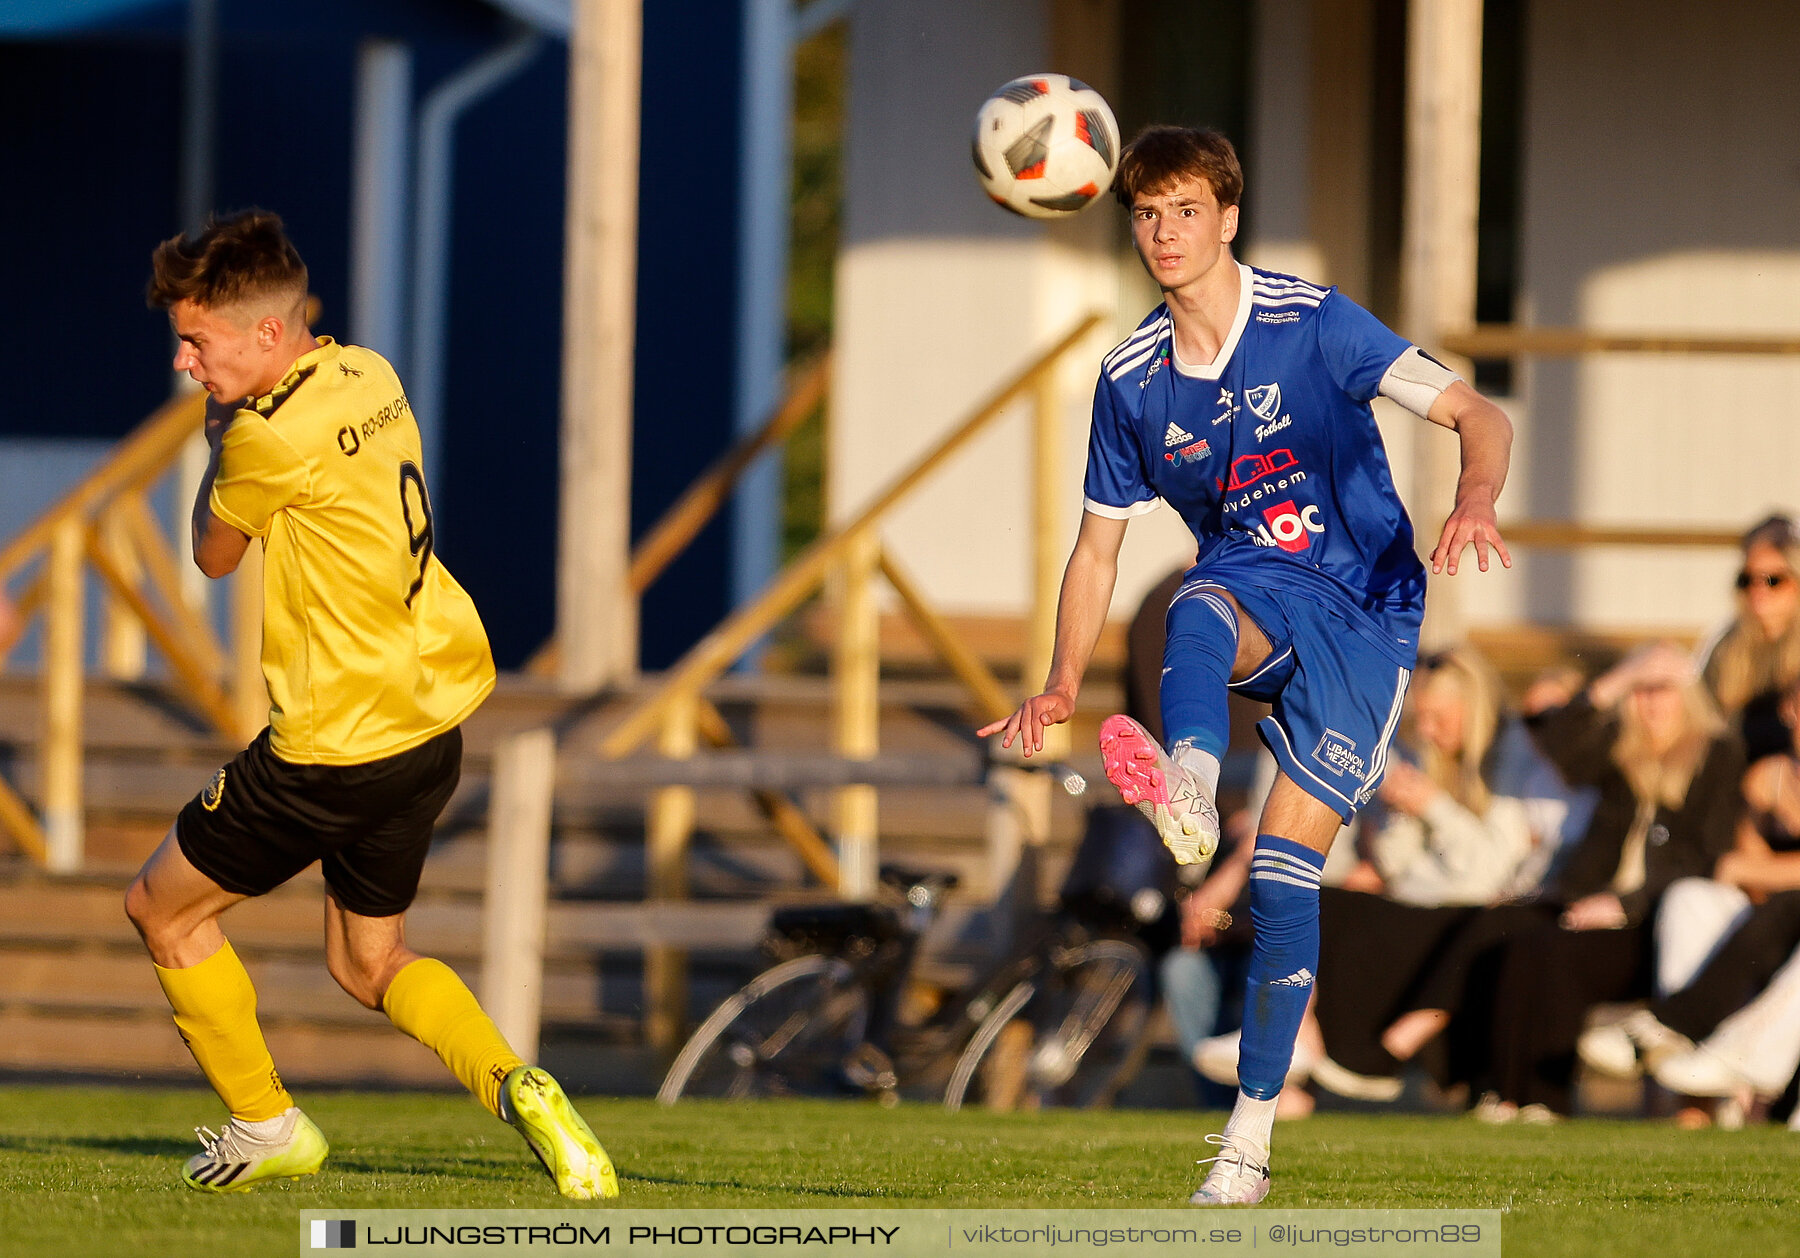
x=1264 y=400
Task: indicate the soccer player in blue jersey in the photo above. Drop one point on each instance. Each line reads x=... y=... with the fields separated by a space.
x=1243 y=402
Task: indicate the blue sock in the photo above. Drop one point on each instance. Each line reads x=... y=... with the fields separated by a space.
x=1198 y=656
x=1284 y=908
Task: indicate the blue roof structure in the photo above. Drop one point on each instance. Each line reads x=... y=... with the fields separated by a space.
x=40 y=19
x=25 y=19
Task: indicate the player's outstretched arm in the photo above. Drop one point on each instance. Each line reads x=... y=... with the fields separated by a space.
x=1081 y=609
x=1486 y=436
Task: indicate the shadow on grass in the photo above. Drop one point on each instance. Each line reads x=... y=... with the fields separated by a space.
x=137 y=1146
x=796 y=1190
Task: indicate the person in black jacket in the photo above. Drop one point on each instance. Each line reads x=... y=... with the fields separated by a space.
x=1667 y=770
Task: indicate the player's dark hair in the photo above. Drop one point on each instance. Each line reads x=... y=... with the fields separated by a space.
x=1161 y=157
x=238 y=256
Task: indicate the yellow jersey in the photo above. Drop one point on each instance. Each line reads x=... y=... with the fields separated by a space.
x=370 y=647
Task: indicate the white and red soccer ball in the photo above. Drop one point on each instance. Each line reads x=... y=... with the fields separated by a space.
x=1046 y=145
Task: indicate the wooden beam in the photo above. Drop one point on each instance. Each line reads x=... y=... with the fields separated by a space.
x=668 y=831
x=1438 y=243
x=856 y=715
x=198 y=686
x=16 y=820
x=796 y=582
x=518 y=881
x=63 y=694
x=596 y=611
x=682 y=522
x=1504 y=340
x=137 y=460
x=24 y=607
x=164 y=571
x=992 y=699
x=702 y=500
x=1569 y=535
x=122 y=654
x=789 y=821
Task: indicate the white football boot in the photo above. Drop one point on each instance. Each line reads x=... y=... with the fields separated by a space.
x=1235 y=1179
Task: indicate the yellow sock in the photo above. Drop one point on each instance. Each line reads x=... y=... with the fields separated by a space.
x=215 y=1011
x=431 y=1004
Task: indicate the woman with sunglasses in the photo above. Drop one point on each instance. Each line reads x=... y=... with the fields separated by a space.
x=1753 y=660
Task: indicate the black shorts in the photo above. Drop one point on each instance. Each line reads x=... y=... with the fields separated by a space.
x=261 y=820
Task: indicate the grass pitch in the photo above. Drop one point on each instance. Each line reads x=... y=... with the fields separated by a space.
x=94 y=1171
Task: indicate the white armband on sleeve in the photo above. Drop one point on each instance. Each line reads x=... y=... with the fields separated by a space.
x=1415 y=380
x=1121 y=513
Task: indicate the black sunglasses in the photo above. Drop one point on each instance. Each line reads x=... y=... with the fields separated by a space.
x=1768 y=580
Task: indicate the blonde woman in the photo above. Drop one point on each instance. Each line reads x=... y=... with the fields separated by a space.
x=1720 y=939
x=1751 y=663
x=1646 y=735
x=1475 y=821
x=1481 y=814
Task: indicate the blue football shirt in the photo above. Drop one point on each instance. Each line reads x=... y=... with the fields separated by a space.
x=1270 y=454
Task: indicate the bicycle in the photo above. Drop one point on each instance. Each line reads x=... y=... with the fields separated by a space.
x=1060 y=1020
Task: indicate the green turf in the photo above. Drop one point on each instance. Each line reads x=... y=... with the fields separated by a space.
x=94 y=1171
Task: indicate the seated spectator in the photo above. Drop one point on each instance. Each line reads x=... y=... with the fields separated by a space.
x=1475 y=821
x=1480 y=817
x=1721 y=939
x=1752 y=1056
x=1667 y=771
x=1752 y=661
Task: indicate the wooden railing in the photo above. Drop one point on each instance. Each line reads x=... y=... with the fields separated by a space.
x=679 y=719
x=105 y=526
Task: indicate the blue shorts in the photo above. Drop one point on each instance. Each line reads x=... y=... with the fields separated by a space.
x=1336 y=696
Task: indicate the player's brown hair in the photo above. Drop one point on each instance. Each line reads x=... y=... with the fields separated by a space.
x=1161 y=157
x=238 y=256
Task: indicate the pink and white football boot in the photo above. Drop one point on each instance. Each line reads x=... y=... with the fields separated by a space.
x=1181 y=809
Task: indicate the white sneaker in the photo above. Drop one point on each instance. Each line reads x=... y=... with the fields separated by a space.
x=1181 y=809
x=1492 y=1110
x=1235 y=1180
x=1699 y=1072
x=1347 y=1083
x=1608 y=1050
x=1216 y=1058
x=237 y=1159
x=1625 y=1048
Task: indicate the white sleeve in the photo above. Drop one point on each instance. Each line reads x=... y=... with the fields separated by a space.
x=1415 y=379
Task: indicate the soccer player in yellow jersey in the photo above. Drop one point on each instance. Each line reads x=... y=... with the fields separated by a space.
x=373 y=657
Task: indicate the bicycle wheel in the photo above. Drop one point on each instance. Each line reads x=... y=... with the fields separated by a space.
x=788 y=1032
x=983 y=1073
x=1073 y=1035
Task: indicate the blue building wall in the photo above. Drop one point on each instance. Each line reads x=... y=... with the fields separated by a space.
x=93 y=158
